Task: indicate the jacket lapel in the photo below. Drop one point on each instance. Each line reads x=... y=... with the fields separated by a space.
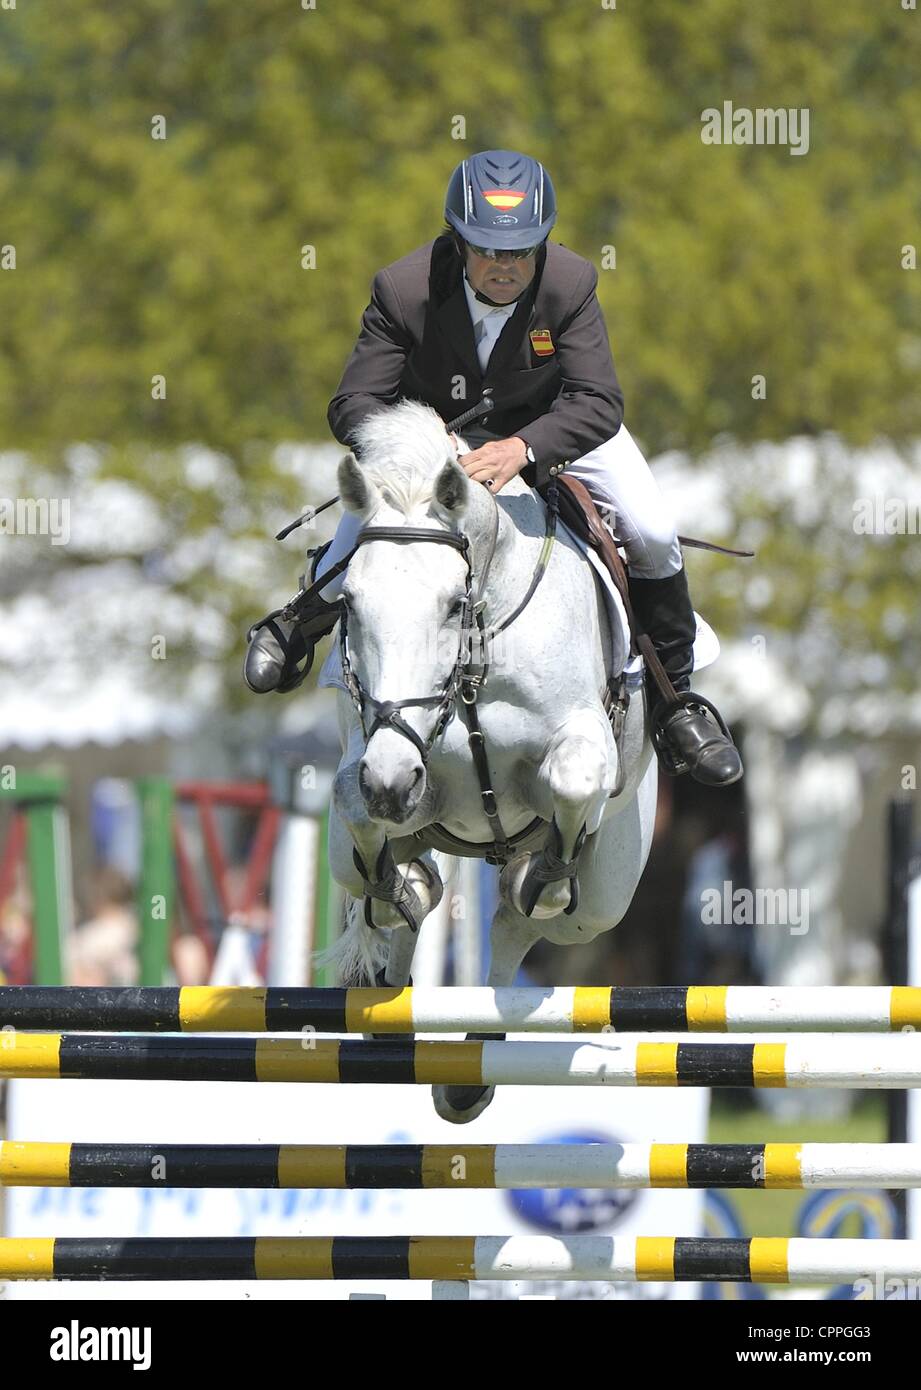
x=509 y=340
x=453 y=319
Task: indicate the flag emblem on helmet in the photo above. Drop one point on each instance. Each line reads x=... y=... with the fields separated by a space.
x=504 y=198
x=541 y=342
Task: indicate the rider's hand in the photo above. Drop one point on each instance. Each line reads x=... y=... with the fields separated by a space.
x=499 y=460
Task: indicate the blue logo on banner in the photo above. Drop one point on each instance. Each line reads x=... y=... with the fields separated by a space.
x=571 y=1210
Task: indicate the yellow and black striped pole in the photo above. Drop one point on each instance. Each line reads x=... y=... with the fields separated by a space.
x=880 y=1062
x=684 y=1009
x=628 y=1259
x=461 y=1166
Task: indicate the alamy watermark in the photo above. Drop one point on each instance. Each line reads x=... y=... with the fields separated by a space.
x=36 y=516
x=766 y=125
x=756 y=907
x=886 y=516
x=75 y=1342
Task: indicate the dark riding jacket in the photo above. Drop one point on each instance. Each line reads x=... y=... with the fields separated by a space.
x=550 y=372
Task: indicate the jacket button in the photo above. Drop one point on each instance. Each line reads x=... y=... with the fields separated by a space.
x=553 y=471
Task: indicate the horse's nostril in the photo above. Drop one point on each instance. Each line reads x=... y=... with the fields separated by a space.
x=369 y=782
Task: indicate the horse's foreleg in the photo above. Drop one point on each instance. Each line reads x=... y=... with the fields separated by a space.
x=359 y=851
x=578 y=771
x=395 y=895
x=399 y=959
x=395 y=973
x=511 y=937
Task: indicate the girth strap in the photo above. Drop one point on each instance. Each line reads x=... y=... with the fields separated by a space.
x=477 y=743
x=436 y=836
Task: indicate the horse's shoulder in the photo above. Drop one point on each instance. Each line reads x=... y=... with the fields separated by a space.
x=524 y=507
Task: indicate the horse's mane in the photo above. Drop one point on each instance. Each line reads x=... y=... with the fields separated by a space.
x=403 y=448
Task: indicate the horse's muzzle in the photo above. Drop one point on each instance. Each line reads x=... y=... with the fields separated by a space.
x=393 y=797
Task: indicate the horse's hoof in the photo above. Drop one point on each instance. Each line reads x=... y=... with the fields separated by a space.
x=424 y=883
x=427 y=883
x=461 y=1104
x=553 y=899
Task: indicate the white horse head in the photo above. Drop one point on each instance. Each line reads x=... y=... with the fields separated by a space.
x=407 y=602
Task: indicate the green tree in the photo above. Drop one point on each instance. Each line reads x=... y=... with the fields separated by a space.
x=335 y=128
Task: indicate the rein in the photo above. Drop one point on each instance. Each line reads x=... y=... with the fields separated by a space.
x=385 y=713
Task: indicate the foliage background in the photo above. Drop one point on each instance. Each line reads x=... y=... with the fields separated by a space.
x=334 y=127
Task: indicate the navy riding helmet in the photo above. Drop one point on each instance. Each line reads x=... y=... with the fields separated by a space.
x=501 y=200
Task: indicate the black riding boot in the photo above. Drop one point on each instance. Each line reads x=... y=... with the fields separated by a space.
x=277 y=645
x=687 y=737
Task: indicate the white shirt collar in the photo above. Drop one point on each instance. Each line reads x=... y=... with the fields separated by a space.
x=479 y=310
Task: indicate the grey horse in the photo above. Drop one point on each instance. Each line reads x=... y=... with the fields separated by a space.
x=576 y=805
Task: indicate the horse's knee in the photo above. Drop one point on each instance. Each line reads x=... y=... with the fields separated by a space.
x=342 y=864
x=577 y=770
x=590 y=927
x=345 y=874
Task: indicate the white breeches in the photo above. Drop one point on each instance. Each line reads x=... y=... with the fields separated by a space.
x=619 y=479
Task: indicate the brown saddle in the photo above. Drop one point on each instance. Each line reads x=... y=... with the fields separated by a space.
x=579 y=513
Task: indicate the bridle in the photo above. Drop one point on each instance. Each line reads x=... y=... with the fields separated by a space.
x=384 y=714
x=467 y=675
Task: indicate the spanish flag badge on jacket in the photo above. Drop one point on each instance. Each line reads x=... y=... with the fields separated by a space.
x=541 y=342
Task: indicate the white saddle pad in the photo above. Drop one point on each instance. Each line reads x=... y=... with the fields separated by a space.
x=706 y=642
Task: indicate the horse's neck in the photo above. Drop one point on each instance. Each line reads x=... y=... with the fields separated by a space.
x=565 y=600
x=521 y=532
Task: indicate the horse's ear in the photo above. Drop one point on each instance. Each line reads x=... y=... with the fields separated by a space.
x=452 y=487
x=356 y=493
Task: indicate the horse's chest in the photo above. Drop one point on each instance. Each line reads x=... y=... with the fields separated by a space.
x=513 y=745
x=510 y=734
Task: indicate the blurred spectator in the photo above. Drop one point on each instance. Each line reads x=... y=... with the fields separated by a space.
x=712 y=947
x=16 y=932
x=104 y=949
x=190 y=960
x=115 y=822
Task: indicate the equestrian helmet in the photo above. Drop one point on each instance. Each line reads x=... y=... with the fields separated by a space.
x=501 y=200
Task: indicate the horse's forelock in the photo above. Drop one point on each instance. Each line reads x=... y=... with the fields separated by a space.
x=402 y=449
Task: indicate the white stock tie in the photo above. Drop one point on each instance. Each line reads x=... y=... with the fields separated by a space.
x=489 y=329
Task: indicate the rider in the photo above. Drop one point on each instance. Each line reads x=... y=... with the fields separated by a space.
x=492 y=305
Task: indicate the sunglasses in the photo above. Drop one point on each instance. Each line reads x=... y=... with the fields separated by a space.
x=521 y=254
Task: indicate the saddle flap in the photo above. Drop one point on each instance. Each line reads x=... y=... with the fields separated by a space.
x=579 y=513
